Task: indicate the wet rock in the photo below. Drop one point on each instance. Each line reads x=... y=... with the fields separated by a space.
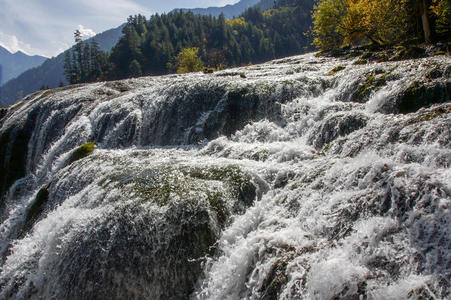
x=3 y=112
x=338 y=125
x=420 y=95
x=36 y=208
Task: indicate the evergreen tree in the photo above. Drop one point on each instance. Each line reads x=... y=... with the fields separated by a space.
x=135 y=69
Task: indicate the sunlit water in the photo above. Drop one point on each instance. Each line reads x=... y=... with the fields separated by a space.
x=213 y=186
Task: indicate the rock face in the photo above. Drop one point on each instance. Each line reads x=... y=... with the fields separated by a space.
x=287 y=183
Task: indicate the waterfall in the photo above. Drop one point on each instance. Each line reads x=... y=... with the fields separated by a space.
x=293 y=182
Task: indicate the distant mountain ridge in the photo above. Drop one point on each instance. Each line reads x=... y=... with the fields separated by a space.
x=13 y=64
x=50 y=72
x=229 y=11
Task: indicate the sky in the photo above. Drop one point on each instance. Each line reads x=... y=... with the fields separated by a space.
x=46 y=27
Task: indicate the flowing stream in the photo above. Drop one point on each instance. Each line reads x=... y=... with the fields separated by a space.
x=273 y=181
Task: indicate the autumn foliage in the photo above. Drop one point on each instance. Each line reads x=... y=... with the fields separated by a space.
x=379 y=22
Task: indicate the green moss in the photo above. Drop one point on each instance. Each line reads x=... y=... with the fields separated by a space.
x=363 y=90
x=81 y=152
x=36 y=208
x=325 y=148
x=371 y=83
x=431 y=115
x=335 y=70
x=206 y=70
x=367 y=55
x=361 y=61
x=166 y=184
x=440 y=52
x=217 y=204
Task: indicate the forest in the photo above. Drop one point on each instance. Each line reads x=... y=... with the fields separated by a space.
x=150 y=47
x=184 y=42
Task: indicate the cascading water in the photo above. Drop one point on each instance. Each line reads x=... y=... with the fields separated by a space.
x=287 y=184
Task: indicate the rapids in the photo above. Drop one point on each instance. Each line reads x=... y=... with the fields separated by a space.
x=274 y=181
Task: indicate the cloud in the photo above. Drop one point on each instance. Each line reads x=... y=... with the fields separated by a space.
x=86 y=32
x=13 y=44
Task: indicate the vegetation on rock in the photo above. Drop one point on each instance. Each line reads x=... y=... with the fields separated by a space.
x=36 y=208
x=81 y=152
x=335 y=70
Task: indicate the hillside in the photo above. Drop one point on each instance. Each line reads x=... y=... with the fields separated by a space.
x=51 y=72
x=12 y=65
x=307 y=178
x=151 y=47
x=229 y=11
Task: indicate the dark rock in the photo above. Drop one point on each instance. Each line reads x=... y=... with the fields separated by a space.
x=13 y=153
x=435 y=73
x=422 y=95
x=409 y=53
x=338 y=125
x=3 y=112
x=36 y=208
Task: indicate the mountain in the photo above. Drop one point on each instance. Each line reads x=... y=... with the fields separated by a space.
x=285 y=183
x=51 y=72
x=13 y=65
x=229 y=11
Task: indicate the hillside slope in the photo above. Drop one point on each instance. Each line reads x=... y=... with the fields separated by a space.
x=13 y=65
x=229 y=11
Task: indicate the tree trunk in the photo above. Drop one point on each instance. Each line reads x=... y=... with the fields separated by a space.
x=423 y=9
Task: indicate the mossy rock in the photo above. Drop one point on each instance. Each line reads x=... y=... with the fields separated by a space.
x=410 y=53
x=36 y=208
x=81 y=152
x=367 y=55
x=431 y=115
x=363 y=91
x=372 y=83
x=360 y=61
x=224 y=189
x=336 y=70
x=440 y=52
x=240 y=182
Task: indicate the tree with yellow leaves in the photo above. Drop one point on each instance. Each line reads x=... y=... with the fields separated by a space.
x=188 y=60
x=382 y=22
x=328 y=18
